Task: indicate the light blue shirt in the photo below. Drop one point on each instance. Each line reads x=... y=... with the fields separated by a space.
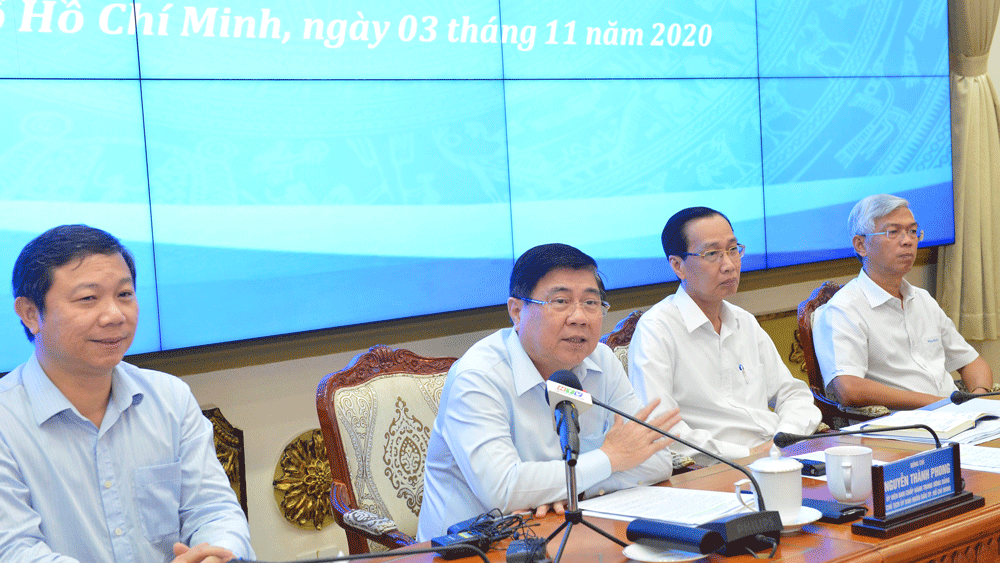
x=494 y=443
x=124 y=492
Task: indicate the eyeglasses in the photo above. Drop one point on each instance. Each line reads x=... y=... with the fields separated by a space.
x=592 y=307
x=893 y=234
x=734 y=253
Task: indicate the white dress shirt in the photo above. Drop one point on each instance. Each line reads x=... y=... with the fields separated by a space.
x=911 y=344
x=494 y=444
x=722 y=382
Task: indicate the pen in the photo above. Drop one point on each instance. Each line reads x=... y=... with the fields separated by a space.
x=744 y=372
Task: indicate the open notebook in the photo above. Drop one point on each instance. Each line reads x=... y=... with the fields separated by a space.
x=945 y=424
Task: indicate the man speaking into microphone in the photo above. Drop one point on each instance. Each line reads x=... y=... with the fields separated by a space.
x=493 y=444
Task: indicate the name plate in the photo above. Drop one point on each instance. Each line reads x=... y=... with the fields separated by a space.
x=915 y=481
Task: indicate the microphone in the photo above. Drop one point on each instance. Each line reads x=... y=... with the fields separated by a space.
x=784 y=439
x=959 y=397
x=755 y=531
x=557 y=391
x=569 y=431
x=564 y=401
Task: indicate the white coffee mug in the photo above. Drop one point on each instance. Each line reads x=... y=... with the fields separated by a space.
x=780 y=480
x=849 y=473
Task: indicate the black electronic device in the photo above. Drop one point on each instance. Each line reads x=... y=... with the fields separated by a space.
x=668 y=535
x=451 y=544
x=528 y=550
x=756 y=531
x=812 y=468
x=835 y=512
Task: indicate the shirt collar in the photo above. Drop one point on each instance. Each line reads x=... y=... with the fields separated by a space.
x=525 y=373
x=124 y=390
x=46 y=400
x=694 y=317
x=876 y=295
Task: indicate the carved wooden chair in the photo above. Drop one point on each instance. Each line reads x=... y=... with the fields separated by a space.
x=834 y=414
x=230 y=449
x=618 y=340
x=376 y=416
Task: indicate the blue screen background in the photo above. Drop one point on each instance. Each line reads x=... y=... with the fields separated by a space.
x=311 y=164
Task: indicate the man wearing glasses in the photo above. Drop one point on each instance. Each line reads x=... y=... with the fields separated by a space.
x=880 y=340
x=712 y=359
x=493 y=444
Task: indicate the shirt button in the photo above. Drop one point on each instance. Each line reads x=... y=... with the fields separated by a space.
x=107 y=484
x=118 y=531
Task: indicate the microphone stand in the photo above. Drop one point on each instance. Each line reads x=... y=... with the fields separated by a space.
x=750 y=532
x=756 y=486
x=573 y=514
x=784 y=439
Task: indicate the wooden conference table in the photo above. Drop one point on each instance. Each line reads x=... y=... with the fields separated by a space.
x=972 y=537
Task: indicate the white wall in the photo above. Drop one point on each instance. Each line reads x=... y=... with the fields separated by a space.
x=274 y=403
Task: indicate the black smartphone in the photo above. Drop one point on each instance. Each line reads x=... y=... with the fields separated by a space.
x=813 y=468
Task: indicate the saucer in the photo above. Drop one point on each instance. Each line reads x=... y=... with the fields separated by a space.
x=807 y=515
x=651 y=554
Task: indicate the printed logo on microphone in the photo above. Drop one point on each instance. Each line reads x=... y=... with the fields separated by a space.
x=560 y=388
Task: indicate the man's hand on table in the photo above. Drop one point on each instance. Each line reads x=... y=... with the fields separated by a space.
x=201 y=553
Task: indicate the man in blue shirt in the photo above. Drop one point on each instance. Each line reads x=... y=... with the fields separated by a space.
x=493 y=444
x=101 y=461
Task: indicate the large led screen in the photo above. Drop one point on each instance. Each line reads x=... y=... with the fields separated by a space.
x=287 y=166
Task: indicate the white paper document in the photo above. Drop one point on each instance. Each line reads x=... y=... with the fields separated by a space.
x=680 y=506
x=980 y=458
x=972 y=405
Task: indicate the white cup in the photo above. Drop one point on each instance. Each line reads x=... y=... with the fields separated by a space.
x=849 y=473
x=780 y=480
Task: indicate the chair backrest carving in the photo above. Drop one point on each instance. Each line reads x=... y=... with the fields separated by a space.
x=619 y=338
x=376 y=416
x=819 y=296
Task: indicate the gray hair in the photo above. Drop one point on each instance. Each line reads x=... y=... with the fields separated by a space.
x=862 y=219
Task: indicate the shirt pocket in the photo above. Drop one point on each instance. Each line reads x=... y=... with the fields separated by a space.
x=158 y=494
x=750 y=387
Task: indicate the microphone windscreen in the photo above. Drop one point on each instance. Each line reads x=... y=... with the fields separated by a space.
x=784 y=439
x=674 y=536
x=959 y=397
x=567 y=378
